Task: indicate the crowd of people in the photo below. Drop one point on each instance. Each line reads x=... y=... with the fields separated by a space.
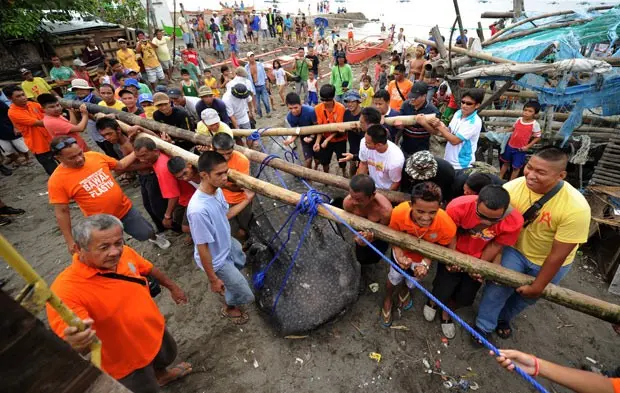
x=532 y=224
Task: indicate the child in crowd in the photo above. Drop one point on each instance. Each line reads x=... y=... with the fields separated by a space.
x=192 y=54
x=279 y=33
x=366 y=92
x=363 y=74
x=232 y=42
x=209 y=80
x=383 y=78
x=424 y=219
x=407 y=65
x=521 y=140
x=188 y=86
x=280 y=76
x=102 y=77
x=225 y=77
x=441 y=98
x=190 y=67
x=146 y=102
x=377 y=67
x=313 y=97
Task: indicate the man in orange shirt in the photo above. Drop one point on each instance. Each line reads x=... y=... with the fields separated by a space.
x=423 y=219
x=399 y=88
x=106 y=285
x=239 y=224
x=87 y=179
x=27 y=118
x=328 y=112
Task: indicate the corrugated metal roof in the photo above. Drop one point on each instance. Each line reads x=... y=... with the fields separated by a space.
x=78 y=22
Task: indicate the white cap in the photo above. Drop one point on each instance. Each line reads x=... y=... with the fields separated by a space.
x=250 y=54
x=79 y=63
x=210 y=116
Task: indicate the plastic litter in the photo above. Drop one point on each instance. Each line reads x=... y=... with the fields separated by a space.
x=426 y=363
x=375 y=356
x=255 y=364
x=374 y=287
x=589 y=359
x=299 y=361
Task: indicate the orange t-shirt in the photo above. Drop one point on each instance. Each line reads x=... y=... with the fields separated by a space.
x=92 y=187
x=126 y=318
x=442 y=230
x=37 y=138
x=336 y=115
x=396 y=101
x=240 y=163
x=615 y=382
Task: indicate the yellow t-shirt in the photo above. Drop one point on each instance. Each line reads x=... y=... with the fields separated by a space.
x=212 y=83
x=36 y=87
x=128 y=59
x=366 y=95
x=201 y=129
x=149 y=56
x=118 y=105
x=566 y=218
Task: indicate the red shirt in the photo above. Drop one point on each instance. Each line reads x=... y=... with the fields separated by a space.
x=472 y=240
x=60 y=126
x=192 y=56
x=523 y=132
x=169 y=185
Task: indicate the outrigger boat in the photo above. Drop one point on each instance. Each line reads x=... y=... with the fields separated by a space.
x=364 y=50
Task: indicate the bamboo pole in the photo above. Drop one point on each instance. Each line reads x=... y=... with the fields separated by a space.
x=497 y=15
x=303 y=172
x=496 y=95
x=443 y=53
x=520 y=94
x=477 y=55
x=494 y=272
x=537 y=17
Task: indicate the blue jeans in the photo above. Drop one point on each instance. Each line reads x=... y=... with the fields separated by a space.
x=501 y=303
x=137 y=226
x=262 y=95
x=236 y=288
x=187 y=38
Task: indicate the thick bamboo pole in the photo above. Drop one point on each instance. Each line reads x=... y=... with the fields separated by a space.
x=477 y=55
x=563 y=296
x=305 y=173
x=537 y=17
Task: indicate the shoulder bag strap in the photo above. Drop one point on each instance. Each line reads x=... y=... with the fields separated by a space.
x=399 y=92
x=121 y=277
x=532 y=212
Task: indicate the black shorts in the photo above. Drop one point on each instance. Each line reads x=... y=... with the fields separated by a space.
x=458 y=286
x=333 y=147
x=367 y=256
x=241 y=220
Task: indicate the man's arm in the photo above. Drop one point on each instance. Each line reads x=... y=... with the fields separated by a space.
x=490 y=251
x=532 y=143
x=175 y=291
x=172 y=203
x=362 y=168
x=233 y=211
x=437 y=127
x=233 y=120
x=395 y=186
x=63 y=217
x=553 y=263
x=126 y=162
x=206 y=260
x=81 y=125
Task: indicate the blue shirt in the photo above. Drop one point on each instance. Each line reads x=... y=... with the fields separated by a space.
x=467 y=129
x=393 y=130
x=255 y=25
x=260 y=74
x=307 y=117
x=208 y=225
x=288 y=22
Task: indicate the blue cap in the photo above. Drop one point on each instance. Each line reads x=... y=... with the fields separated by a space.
x=132 y=82
x=352 y=95
x=161 y=89
x=145 y=97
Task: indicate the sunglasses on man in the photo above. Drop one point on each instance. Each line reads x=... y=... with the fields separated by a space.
x=63 y=144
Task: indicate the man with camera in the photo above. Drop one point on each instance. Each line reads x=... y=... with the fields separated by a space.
x=302 y=66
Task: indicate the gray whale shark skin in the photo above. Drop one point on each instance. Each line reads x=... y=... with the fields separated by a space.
x=325 y=279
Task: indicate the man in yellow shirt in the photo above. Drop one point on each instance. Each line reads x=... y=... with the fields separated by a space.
x=106 y=91
x=547 y=244
x=33 y=87
x=126 y=56
x=154 y=70
x=160 y=42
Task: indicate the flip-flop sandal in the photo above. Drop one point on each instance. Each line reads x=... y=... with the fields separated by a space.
x=405 y=303
x=447 y=328
x=386 y=318
x=184 y=369
x=238 y=319
x=503 y=330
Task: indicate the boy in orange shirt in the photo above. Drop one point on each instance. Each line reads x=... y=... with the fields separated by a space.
x=330 y=111
x=239 y=224
x=423 y=219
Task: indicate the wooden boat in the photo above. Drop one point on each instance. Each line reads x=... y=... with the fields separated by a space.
x=365 y=50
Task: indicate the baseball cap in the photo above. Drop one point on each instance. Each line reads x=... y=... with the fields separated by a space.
x=210 y=116
x=175 y=93
x=80 y=84
x=352 y=95
x=250 y=54
x=161 y=89
x=421 y=165
x=123 y=91
x=160 y=98
x=24 y=71
x=205 y=91
x=121 y=40
x=418 y=89
x=131 y=82
x=145 y=97
x=79 y=63
x=240 y=91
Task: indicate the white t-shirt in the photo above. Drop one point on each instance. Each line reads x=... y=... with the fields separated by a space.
x=263 y=23
x=238 y=106
x=384 y=168
x=350 y=27
x=183 y=24
x=461 y=156
x=280 y=76
x=239 y=79
x=312 y=85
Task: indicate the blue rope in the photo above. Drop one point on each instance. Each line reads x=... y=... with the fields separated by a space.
x=455 y=317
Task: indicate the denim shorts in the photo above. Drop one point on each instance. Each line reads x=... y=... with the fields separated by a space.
x=236 y=288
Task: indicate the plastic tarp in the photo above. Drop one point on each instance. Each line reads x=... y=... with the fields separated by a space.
x=562 y=66
x=600 y=91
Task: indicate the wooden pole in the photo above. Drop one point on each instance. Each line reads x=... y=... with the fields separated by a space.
x=443 y=53
x=497 y=14
x=520 y=94
x=480 y=32
x=303 y=172
x=494 y=272
x=537 y=17
x=517 y=8
x=477 y=55
x=458 y=17
x=496 y=95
